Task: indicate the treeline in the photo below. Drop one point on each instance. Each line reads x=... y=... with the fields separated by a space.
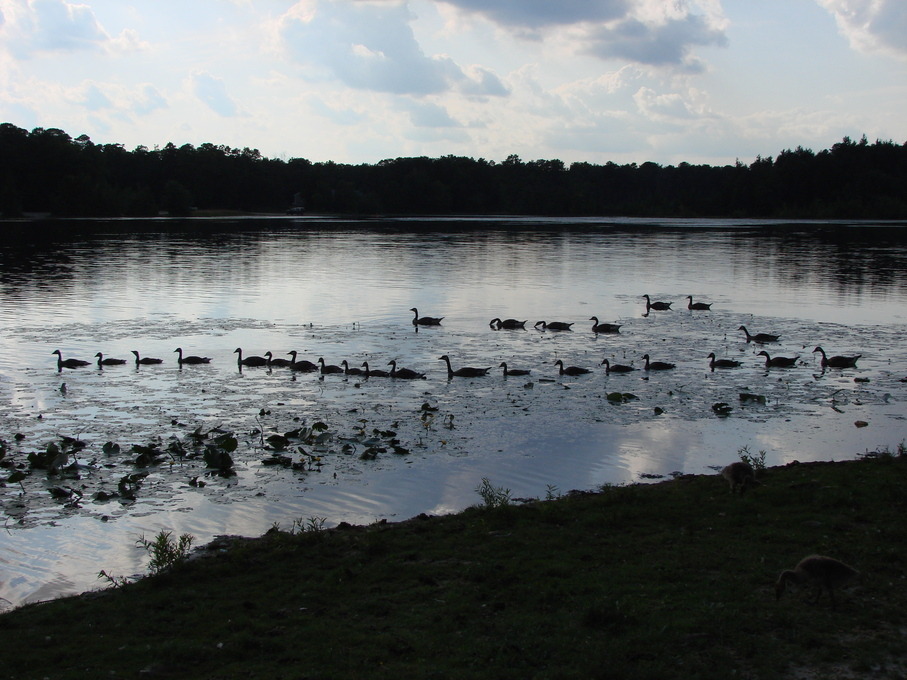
x=47 y=171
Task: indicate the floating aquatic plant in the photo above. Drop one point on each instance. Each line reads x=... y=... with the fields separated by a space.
x=129 y=484
x=148 y=455
x=746 y=397
x=55 y=457
x=217 y=454
x=17 y=477
x=278 y=442
x=722 y=409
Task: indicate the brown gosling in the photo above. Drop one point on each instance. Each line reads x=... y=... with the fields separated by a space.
x=819 y=573
x=739 y=475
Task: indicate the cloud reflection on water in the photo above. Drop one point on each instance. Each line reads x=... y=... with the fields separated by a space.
x=260 y=290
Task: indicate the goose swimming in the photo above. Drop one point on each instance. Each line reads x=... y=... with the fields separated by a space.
x=278 y=361
x=704 y=306
x=510 y=324
x=616 y=368
x=465 y=372
x=657 y=365
x=303 y=365
x=759 y=338
x=513 y=371
x=553 y=325
x=145 y=361
x=837 y=361
x=249 y=361
x=350 y=371
x=109 y=361
x=570 y=370
x=191 y=359
x=376 y=373
x=328 y=368
x=67 y=363
x=604 y=327
x=403 y=373
x=425 y=320
x=657 y=305
x=721 y=363
x=778 y=362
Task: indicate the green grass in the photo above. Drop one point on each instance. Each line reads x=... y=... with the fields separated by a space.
x=670 y=580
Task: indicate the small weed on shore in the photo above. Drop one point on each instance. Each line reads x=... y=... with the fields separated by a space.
x=493 y=496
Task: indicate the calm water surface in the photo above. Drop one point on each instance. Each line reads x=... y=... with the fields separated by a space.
x=342 y=290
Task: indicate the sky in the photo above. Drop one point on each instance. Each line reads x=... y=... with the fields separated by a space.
x=360 y=81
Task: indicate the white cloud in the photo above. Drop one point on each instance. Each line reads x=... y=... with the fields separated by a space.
x=651 y=32
x=340 y=115
x=148 y=100
x=426 y=114
x=666 y=43
x=213 y=92
x=94 y=99
x=50 y=25
x=128 y=41
x=666 y=108
x=47 y=26
x=536 y=14
x=366 y=45
x=872 y=25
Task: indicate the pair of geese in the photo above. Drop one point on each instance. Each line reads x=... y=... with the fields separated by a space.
x=660 y=306
x=819 y=573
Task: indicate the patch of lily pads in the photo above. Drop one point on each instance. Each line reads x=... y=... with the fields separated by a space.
x=69 y=471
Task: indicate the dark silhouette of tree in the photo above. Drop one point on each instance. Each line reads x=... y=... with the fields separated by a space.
x=47 y=171
x=176 y=199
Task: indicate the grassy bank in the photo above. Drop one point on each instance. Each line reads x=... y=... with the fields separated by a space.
x=669 y=580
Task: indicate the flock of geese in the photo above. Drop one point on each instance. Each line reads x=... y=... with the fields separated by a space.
x=817 y=572
x=296 y=364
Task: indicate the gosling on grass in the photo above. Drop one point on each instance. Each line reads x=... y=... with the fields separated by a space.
x=818 y=573
x=739 y=475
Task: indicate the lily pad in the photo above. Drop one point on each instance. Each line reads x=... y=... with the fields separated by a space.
x=746 y=397
x=722 y=409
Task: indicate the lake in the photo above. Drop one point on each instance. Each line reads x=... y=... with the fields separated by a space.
x=342 y=289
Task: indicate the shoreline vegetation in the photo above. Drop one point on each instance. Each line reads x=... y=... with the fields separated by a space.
x=673 y=579
x=45 y=172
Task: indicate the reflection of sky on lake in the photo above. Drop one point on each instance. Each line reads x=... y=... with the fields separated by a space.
x=326 y=277
x=346 y=295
